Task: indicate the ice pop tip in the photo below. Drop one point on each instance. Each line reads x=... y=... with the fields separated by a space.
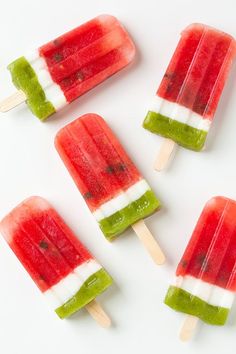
x=74 y=124
x=107 y=19
x=233 y=39
x=200 y=25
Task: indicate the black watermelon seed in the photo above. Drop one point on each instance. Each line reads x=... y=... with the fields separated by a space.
x=110 y=169
x=184 y=263
x=88 y=195
x=58 y=57
x=43 y=244
x=66 y=81
x=121 y=167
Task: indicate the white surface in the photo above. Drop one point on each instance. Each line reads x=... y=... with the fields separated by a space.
x=30 y=165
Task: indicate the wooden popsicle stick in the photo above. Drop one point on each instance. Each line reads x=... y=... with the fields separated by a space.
x=12 y=101
x=98 y=314
x=167 y=149
x=188 y=327
x=149 y=242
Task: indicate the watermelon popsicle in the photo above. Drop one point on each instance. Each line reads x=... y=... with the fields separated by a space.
x=186 y=101
x=206 y=275
x=60 y=71
x=62 y=268
x=115 y=192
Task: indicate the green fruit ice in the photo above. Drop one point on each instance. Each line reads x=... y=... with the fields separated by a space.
x=25 y=79
x=94 y=285
x=115 y=224
x=183 y=301
x=182 y=134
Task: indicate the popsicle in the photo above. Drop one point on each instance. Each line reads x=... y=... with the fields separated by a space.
x=114 y=190
x=60 y=71
x=206 y=275
x=62 y=268
x=186 y=101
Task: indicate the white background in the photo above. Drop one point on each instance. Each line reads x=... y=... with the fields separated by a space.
x=31 y=166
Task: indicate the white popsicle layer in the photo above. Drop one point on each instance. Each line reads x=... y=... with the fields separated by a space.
x=179 y=113
x=63 y=291
x=53 y=92
x=122 y=200
x=212 y=294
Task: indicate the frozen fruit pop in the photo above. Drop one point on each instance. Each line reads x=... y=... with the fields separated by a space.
x=206 y=275
x=62 y=268
x=115 y=192
x=186 y=101
x=57 y=73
